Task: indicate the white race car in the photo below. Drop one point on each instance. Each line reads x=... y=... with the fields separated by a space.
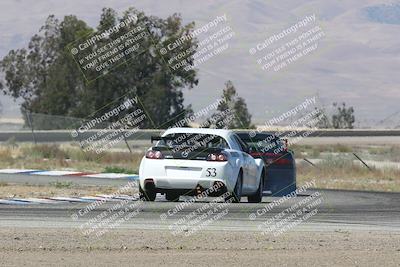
x=189 y=161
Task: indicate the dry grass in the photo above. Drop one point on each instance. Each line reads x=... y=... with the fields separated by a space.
x=335 y=172
x=64 y=157
x=338 y=170
x=315 y=150
x=391 y=153
x=380 y=153
x=51 y=190
x=339 y=173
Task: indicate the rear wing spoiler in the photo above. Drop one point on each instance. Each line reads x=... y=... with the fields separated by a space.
x=158 y=138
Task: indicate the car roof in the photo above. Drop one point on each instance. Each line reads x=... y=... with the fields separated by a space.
x=257 y=137
x=219 y=132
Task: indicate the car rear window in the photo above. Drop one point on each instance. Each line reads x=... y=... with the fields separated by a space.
x=185 y=140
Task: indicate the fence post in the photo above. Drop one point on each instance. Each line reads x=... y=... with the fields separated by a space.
x=363 y=162
x=126 y=142
x=28 y=117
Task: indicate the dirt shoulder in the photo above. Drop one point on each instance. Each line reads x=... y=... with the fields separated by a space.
x=67 y=247
x=52 y=190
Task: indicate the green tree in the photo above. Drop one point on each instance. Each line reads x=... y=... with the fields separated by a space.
x=232 y=112
x=49 y=81
x=344 y=118
x=322 y=119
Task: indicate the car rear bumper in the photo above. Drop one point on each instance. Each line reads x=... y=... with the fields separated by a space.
x=183 y=183
x=280 y=182
x=184 y=174
x=214 y=188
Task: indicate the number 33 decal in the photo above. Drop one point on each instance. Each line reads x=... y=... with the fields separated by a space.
x=211 y=172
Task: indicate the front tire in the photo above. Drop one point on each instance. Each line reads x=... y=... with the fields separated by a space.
x=236 y=195
x=257 y=197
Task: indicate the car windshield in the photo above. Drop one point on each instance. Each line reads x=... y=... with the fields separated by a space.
x=184 y=140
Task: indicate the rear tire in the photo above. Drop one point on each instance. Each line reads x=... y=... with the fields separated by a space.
x=147 y=195
x=172 y=196
x=257 y=197
x=236 y=195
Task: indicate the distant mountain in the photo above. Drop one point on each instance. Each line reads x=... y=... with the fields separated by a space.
x=389 y=14
x=358 y=60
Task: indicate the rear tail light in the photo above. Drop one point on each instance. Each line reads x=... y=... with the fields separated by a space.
x=282 y=161
x=217 y=157
x=273 y=158
x=154 y=154
x=279 y=161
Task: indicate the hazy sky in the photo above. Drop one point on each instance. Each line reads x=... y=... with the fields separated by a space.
x=356 y=60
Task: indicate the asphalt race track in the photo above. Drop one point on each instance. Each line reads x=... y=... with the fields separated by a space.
x=339 y=210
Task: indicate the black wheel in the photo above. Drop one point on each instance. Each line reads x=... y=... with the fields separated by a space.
x=236 y=195
x=147 y=195
x=172 y=196
x=257 y=197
